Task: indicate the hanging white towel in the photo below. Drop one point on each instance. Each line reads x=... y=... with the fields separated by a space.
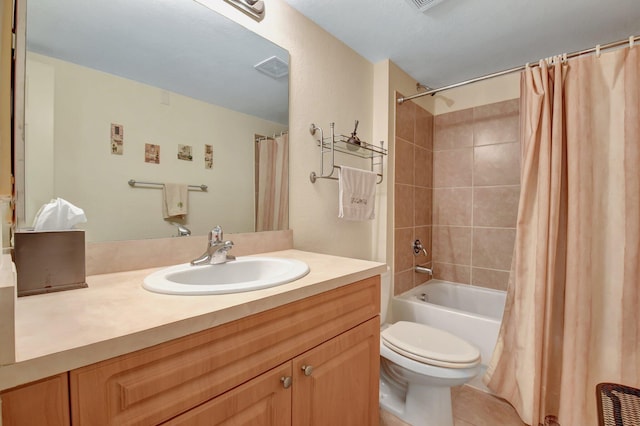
x=174 y=200
x=357 y=194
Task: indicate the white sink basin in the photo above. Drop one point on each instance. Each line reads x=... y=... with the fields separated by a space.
x=242 y=274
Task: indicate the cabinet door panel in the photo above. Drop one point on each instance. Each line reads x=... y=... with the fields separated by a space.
x=43 y=403
x=342 y=388
x=263 y=401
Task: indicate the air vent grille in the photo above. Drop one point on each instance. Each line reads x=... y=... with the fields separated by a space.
x=274 y=67
x=424 y=5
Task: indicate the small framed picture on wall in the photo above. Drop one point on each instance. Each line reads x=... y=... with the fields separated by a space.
x=117 y=139
x=151 y=153
x=208 y=156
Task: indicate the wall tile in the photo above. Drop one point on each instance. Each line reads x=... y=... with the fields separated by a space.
x=452 y=168
x=404 y=201
x=423 y=170
x=495 y=206
x=490 y=278
x=423 y=206
x=424 y=128
x=404 y=162
x=496 y=123
x=453 y=130
x=405 y=120
x=454 y=273
x=452 y=206
x=493 y=247
x=403 y=255
x=496 y=165
x=452 y=244
x=402 y=282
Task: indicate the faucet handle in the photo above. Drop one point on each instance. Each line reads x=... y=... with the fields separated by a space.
x=216 y=234
x=418 y=248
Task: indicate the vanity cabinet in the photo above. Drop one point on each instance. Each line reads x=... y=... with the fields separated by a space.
x=310 y=362
x=45 y=402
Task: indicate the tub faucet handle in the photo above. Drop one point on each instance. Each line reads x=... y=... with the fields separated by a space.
x=418 y=248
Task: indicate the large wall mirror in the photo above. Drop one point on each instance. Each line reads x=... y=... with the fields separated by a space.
x=159 y=91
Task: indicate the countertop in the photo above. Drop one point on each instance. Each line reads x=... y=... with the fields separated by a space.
x=57 y=332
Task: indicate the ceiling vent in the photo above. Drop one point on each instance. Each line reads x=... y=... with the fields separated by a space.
x=274 y=67
x=424 y=5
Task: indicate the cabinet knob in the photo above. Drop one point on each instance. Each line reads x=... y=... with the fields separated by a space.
x=286 y=381
x=307 y=370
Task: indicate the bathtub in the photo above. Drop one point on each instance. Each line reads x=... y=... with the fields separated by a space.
x=470 y=312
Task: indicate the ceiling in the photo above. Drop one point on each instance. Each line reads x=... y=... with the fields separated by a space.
x=457 y=40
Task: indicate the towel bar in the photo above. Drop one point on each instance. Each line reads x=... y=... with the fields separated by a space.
x=133 y=182
x=313 y=176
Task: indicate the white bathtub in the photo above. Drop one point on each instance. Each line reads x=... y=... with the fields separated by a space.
x=470 y=312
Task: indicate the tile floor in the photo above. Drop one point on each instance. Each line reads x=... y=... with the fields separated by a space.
x=471 y=407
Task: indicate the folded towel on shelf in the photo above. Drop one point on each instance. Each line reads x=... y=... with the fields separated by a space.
x=357 y=194
x=174 y=200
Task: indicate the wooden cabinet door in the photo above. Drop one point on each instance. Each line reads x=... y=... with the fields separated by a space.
x=336 y=383
x=263 y=401
x=42 y=403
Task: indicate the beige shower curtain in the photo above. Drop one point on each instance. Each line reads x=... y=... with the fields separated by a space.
x=571 y=316
x=272 y=211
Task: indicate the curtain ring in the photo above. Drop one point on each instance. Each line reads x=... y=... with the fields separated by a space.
x=631 y=41
x=597 y=50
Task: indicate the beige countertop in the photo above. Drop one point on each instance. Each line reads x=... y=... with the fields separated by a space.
x=57 y=332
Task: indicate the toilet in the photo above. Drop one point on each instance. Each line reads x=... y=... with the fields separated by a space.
x=419 y=365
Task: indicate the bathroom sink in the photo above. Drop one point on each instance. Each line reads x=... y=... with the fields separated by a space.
x=242 y=274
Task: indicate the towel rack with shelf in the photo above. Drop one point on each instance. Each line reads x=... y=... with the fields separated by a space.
x=343 y=144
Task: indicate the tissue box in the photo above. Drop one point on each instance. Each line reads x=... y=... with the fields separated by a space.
x=49 y=261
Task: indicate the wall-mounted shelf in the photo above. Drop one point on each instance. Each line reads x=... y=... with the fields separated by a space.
x=342 y=144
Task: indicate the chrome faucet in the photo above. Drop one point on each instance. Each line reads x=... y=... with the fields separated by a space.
x=183 y=231
x=217 y=250
x=418 y=248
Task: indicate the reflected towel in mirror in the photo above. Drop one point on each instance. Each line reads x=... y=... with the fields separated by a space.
x=174 y=200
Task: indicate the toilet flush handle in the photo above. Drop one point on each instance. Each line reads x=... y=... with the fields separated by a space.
x=307 y=370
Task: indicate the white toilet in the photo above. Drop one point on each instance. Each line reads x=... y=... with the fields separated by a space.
x=418 y=366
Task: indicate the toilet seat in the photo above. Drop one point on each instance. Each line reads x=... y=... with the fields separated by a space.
x=429 y=345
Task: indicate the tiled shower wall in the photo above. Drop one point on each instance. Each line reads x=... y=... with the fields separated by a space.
x=413 y=193
x=476 y=186
x=457 y=183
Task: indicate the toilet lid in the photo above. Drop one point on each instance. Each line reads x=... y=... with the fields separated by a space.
x=430 y=345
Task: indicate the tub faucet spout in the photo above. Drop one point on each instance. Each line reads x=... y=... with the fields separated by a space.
x=424 y=270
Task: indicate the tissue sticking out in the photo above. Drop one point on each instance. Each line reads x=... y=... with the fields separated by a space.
x=58 y=215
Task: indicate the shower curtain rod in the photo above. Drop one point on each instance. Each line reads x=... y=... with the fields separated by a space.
x=516 y=69
x=275 y=135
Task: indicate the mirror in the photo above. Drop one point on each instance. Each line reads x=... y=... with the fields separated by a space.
x=159 y=91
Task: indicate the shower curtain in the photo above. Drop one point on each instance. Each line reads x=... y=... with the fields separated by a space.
x=272 y=210
x=571 y=318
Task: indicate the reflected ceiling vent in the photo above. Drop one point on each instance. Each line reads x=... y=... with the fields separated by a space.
x=424 y=5
x=274 y=67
